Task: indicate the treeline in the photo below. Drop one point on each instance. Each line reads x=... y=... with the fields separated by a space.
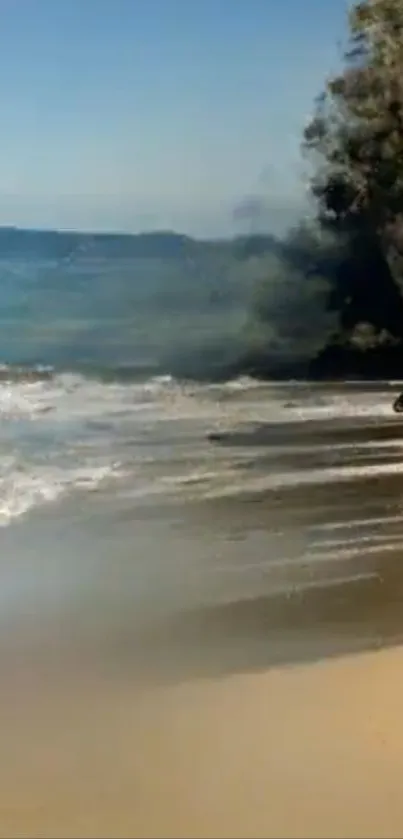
x=345 y=270
x=75 y=246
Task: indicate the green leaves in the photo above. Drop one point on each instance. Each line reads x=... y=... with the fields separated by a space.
x=356 y=133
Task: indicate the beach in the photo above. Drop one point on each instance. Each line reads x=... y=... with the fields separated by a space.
x=201 y=420
x=201 y=635
x=304 y=751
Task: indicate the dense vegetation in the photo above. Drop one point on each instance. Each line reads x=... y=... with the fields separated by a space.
x=355 y=141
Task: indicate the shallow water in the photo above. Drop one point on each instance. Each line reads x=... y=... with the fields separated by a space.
x=70 y=433
x=131 y=542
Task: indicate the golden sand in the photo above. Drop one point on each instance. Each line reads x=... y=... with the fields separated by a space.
x=306 y=751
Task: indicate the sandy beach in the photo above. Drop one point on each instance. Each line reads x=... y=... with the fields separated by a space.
x=304 y=751
x=221 y=658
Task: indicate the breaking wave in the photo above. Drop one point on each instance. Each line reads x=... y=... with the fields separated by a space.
x=64 y=432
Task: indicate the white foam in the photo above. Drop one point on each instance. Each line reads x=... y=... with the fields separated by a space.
x=306 y=561
x=56 y=405
x=353 y=523
x=307 y=477
x=334 y=407
x=299 y=588
x=21 y=490
x=71 y=395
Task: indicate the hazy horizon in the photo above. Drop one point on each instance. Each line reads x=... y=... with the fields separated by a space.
x=140 y=232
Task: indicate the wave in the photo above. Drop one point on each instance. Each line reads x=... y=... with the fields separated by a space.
x=35 y=391
x=20 y=373
x=66 y=431
x=26 y=486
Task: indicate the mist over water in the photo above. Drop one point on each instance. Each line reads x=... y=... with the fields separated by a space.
x=196 y=316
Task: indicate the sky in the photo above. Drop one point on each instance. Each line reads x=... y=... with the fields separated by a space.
x=160 y=114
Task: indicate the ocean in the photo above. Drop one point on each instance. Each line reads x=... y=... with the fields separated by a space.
x=175 y=526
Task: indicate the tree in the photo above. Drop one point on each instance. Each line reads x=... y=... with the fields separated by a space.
x=357 y=130
x=356 y=142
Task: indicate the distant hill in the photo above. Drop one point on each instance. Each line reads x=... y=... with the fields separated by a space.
x=54 y=244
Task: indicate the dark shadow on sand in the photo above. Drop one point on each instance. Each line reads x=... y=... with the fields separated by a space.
x=256 y=634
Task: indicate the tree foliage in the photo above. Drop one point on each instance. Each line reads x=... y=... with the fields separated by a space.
x=356 y=134
x=355 y=141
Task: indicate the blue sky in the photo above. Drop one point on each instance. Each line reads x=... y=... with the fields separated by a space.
x=140 y=114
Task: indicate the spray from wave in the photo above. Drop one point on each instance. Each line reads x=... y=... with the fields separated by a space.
x=203 y=310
